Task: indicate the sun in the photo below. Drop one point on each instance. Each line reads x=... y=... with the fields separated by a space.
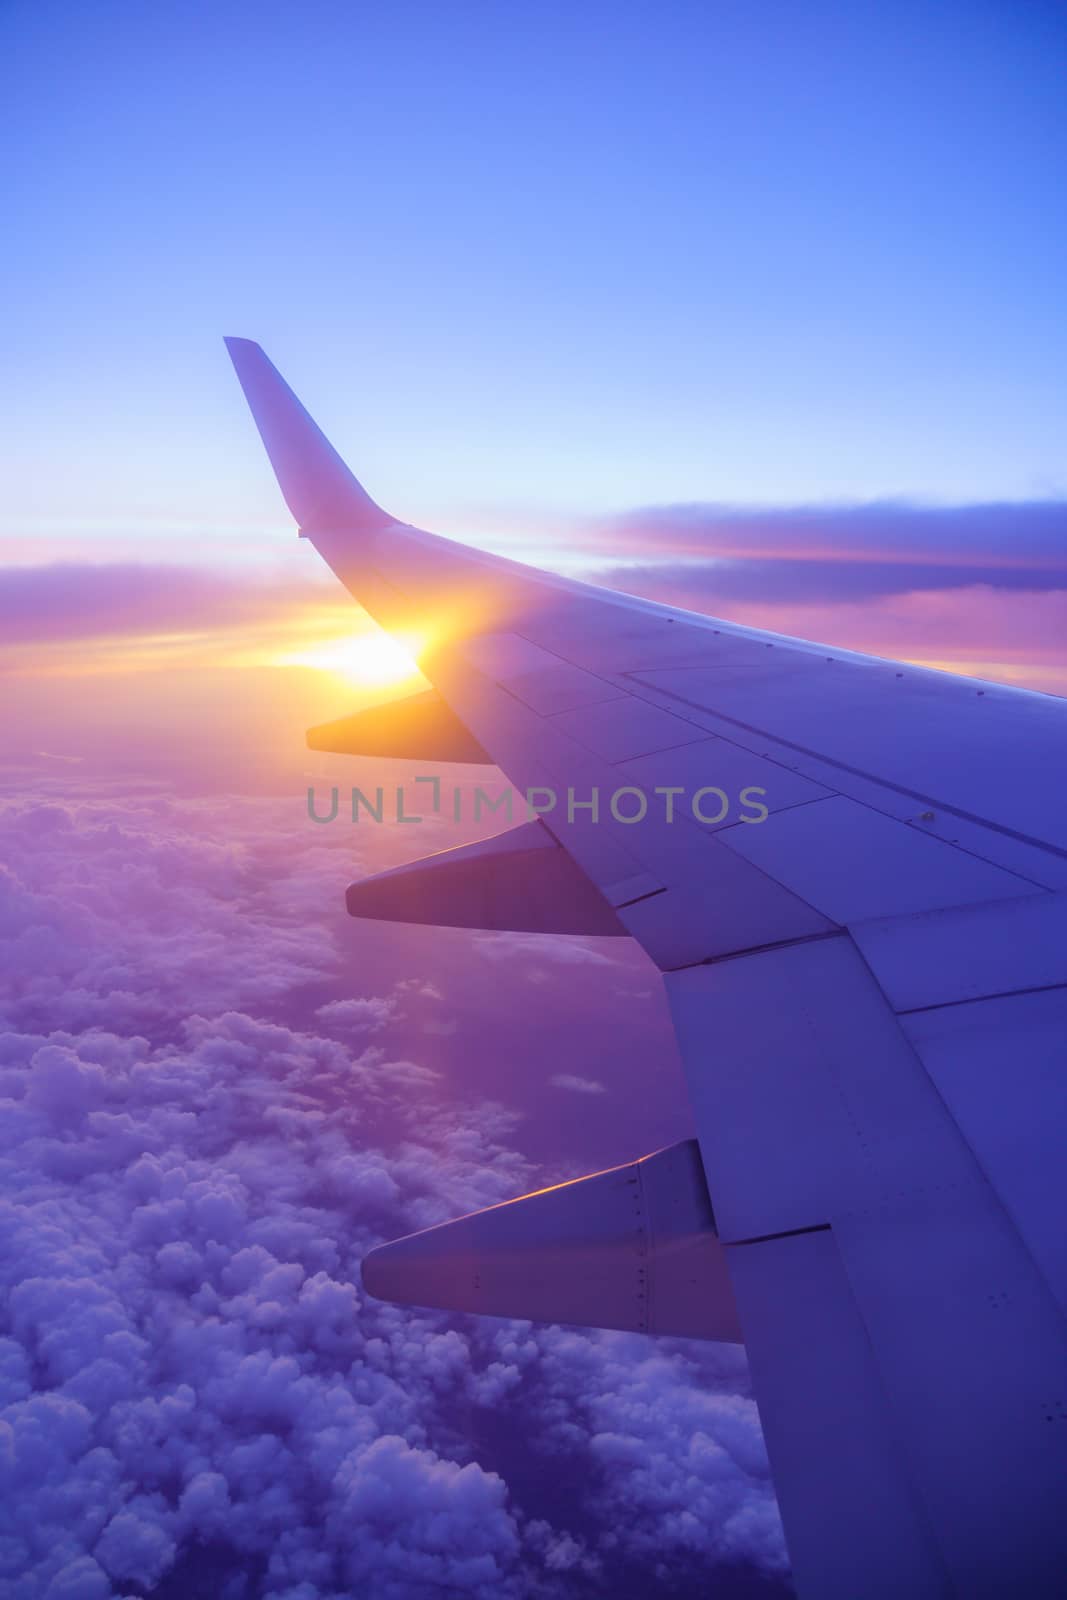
x=378 y=658
x=370 y=660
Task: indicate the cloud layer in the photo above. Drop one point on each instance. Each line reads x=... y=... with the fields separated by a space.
x=949 y=585
x=198 y=1149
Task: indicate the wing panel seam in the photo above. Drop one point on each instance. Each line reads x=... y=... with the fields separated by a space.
x=871 y=777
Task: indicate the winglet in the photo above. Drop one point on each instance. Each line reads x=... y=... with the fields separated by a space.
x=319 y=489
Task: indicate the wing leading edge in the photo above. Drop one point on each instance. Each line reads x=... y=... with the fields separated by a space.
x=870 y=993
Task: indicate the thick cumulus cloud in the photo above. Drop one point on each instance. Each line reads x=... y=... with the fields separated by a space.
x=199 y=1145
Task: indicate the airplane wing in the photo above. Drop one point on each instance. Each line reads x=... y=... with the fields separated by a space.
x=852 y=875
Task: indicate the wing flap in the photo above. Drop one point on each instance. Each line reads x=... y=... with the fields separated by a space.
x=819 y=1119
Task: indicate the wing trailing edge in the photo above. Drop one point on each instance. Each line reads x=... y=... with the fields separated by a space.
x=633 y=1248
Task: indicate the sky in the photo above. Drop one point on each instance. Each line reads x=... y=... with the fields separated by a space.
x=547 y=276
x=575 y=258
x=751 y=308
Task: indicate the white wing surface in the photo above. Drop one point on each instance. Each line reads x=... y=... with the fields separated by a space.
x=853 y=877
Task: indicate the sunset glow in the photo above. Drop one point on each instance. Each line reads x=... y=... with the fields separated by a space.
x=369 y=660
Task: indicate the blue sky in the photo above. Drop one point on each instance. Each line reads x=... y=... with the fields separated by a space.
x=530 y=263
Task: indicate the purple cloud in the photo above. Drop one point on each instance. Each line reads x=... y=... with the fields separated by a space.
x=839 y=553
x=80 y=600
x=799 y=554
